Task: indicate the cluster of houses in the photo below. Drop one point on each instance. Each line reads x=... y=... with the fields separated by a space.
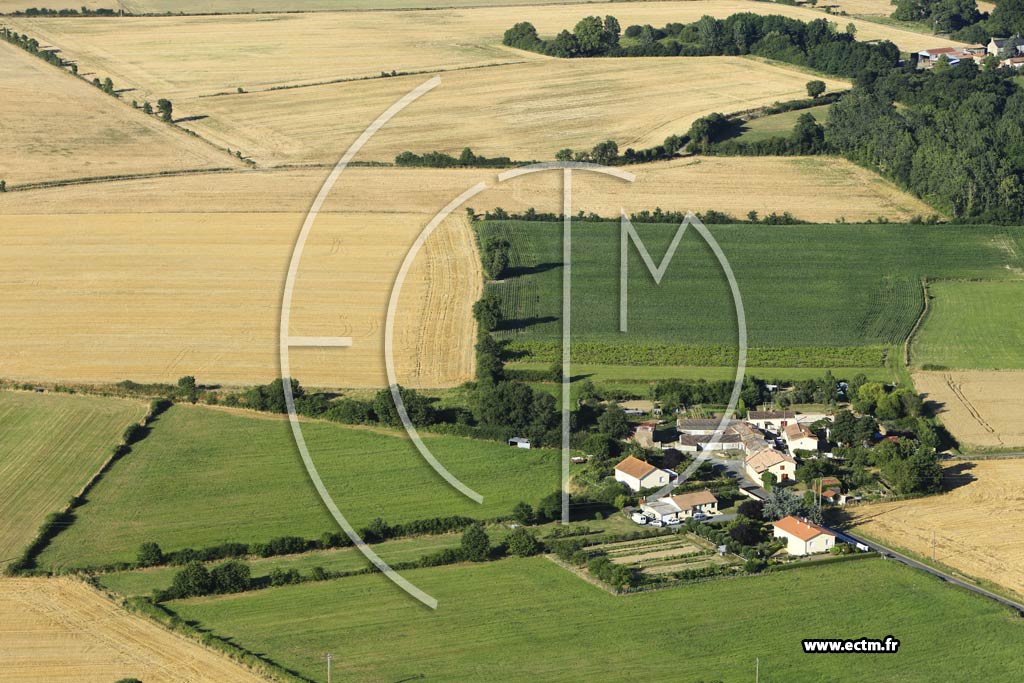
x=1009 y=52
x=766 y=438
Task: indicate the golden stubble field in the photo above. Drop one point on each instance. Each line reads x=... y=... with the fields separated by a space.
x=156 y=278
x=57 y=127
x=62 y=631
x=151 y=297
x=977 y=525
x=982 y=408
x=523 y=111
x=184 y=57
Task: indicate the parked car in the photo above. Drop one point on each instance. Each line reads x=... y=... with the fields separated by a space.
x=657 y=522
x=701 y=517
x=639 y=517
x=673 y=522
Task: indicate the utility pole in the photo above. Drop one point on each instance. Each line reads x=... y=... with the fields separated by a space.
x=328 y=667
x=757 y=670
x=933 y=545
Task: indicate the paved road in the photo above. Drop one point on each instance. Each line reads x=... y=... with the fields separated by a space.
x=888 y=552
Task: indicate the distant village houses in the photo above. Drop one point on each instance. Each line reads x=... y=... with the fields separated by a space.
x=1009 y=51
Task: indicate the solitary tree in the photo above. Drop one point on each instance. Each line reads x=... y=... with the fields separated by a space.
x=150 y=554
x=476 y=546
x=165 y=109
x=3 y=186
x=815 y=88
x=147 y=108
x=522 y=543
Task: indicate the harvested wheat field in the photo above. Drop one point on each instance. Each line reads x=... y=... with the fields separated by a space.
x=58 y=127
x=185 y=57
x=818 y=189
x=63 y=631
x=151 y=297
x=523 y=111
x=977 y=525
x=7 y=6
x=981 y=408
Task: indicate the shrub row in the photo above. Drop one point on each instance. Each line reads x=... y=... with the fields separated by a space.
x=601 y=353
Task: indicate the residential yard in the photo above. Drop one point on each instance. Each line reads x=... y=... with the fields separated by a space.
x=488 y=613
x=205 y=477
x=50 y=446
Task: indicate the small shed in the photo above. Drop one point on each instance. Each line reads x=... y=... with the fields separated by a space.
x=519 y=442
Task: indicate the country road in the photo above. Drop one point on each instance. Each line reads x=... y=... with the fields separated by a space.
x=899 y=557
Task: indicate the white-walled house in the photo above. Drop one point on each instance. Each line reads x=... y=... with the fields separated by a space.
x=783 y=466
x=802 y=536
x=798 y=436
x=774 y=419
x=680 y=507
x=638 y=475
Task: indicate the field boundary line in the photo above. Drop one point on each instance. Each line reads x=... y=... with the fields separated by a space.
x=47 y=184
x=917 y=323
x=358 y=79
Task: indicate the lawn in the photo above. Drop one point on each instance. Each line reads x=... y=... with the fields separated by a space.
x=973 y=325
x=490 y=616
x=829 y=287
x=779 y=125
x=204 y=477
x=51 y=445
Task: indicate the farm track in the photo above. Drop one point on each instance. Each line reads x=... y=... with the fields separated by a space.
x=957 y=390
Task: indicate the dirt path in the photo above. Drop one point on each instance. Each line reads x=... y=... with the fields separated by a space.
x=63 y=631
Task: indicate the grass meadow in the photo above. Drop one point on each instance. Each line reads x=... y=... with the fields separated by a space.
x=50 y=446
x=509 y=621
x=204 y=477
x=779 y=125
x=973 y=325
x=832 y=286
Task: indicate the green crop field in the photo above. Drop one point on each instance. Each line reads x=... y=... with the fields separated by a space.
x=973 y=325
x=821 y=287
x=204 y=477
x=50 y=445
x=509 y=620
x=651 y=373
x=779 y=125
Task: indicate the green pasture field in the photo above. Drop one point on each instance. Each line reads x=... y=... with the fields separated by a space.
x=509 y=620
x=205 y=477
x=972 y=325
x=779 y=125
x=50 y=446
x=818 y=289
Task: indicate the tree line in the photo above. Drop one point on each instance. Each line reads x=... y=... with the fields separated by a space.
x=815 y=44
x=467 y=159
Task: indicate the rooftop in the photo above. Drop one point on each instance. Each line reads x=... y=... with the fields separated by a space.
x=801 y=528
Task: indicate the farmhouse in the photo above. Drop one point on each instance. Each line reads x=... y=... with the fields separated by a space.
x=776 y=419
x=1006 y=47
x=638 y=475
x=802 y=536
x=675 y=508
x=700 y=427
x=798 y=436
x=927 y=59
x=728 y=441
x=770 y=460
